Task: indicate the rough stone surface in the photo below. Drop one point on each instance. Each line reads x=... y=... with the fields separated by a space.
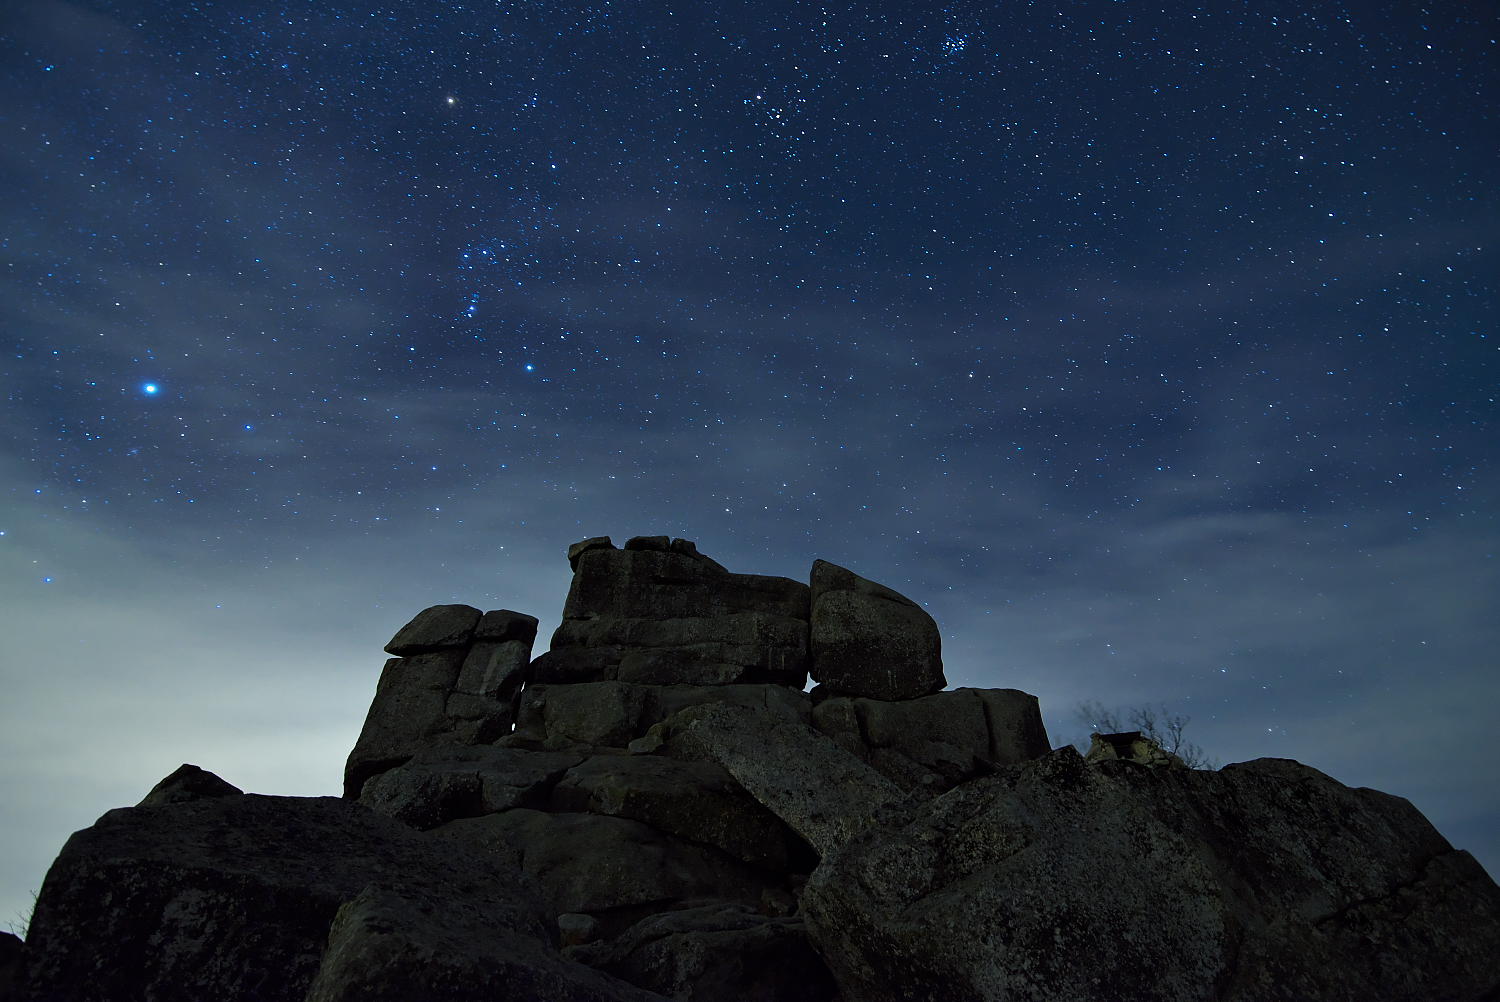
x=384 y=946
x=662 y=596
x=410 y=710
x=716 y=953
x=445 y=783
x=584 y=545
x=825 y=794
x=188 y=782
x=595 y=864
x=483 y=703
x=1059 y=880
x=501 y=625
x=613 y=714
x=935 y=742
x=465 y=693
x=697 y=801
x=439 y=628
x=1131 y=746
x=867 y=640
x=234 y=898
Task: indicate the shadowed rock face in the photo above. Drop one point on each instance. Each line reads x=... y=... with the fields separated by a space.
x=659 y=612
x=1054 y=879
x=867 y=640
x=655 y=809
x=250 y=897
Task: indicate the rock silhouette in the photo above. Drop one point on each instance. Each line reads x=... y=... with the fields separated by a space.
x=655 y=809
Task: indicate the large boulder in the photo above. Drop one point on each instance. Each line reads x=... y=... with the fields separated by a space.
x=410 y=710
x=660 y=612
x=1055 y=879
x=868 y=640
x=235 y=897
x=436 y=628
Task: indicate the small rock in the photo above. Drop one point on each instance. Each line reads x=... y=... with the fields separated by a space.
x=575 y=928
x=188 y=782
x=649 y=543
x=439 y=628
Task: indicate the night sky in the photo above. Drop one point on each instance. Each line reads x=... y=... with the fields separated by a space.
x=1152 y=350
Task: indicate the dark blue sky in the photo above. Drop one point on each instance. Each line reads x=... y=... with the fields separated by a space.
x=1152 y=348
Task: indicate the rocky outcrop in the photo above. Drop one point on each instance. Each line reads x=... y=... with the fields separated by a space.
x=654 y=809
x=1055 y=879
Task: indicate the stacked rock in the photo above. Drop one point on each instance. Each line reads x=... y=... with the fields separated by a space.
x=633 y=818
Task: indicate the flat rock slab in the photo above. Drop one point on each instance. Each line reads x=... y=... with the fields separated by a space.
x=437 y=628
x=1061 y=880
x=935 y=742
x=234 y=898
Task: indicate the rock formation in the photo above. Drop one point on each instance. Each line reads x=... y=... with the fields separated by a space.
x=655 y=809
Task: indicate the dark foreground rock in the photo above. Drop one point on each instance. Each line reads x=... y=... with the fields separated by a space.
x=655 y=809
x=272 y=898
x=1060 y=880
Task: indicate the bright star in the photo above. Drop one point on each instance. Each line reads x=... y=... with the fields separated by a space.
x=150 y=389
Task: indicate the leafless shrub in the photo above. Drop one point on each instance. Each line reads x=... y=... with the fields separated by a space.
x=1158 y=723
